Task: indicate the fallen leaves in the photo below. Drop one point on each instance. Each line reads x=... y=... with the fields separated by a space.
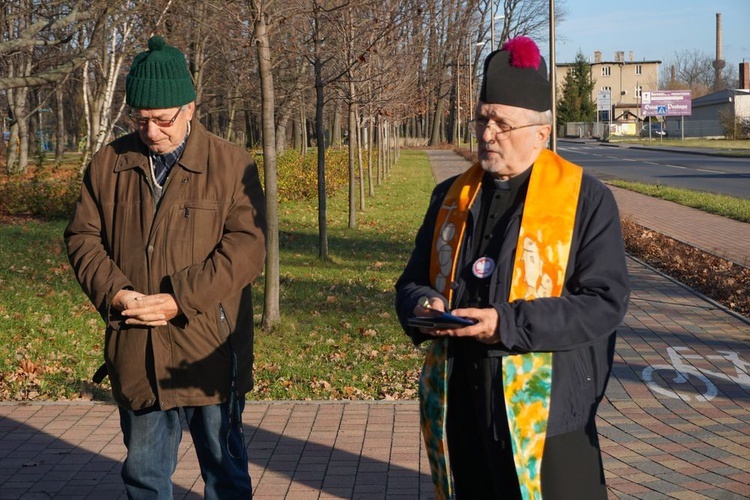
x=367 y=332
x=719 y=279
x=28 y=367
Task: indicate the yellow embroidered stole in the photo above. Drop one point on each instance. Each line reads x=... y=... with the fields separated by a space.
x=539 y=266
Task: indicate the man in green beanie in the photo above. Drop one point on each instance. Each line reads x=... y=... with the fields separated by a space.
x=166 y=238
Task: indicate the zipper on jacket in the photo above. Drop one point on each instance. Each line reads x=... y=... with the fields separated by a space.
x=235 y=413
x=225 y=327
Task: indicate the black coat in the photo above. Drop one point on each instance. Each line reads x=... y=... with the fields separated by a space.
x=578 y=327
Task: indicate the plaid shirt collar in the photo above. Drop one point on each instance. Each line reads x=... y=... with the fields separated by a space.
x=164 y=163
x=169 y=159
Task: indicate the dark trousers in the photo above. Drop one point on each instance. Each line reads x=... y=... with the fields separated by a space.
x=480 y=451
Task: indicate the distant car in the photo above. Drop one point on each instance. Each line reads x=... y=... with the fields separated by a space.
x=657 y=130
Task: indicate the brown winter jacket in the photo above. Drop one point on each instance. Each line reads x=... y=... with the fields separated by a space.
x=205 y=244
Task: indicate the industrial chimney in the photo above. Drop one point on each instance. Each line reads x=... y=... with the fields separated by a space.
x=719 y=63
x=745 y=75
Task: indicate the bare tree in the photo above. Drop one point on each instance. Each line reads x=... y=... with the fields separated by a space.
x=100 y=80
x=29 y=25
x=271 y=308
x=453 y=28
x=689 y=69
x=449 y=25
x=33 y=35
x=318 y=59
x=526 y=17
x=693 y=70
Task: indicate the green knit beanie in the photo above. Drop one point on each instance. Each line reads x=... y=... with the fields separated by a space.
x=159 y=78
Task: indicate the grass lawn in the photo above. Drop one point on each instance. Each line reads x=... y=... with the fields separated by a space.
x=719 y=204
x=339 y=338
x=720 y=146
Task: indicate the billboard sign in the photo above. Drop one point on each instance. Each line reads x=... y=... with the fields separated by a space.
x=666 y=103
x=604 y=100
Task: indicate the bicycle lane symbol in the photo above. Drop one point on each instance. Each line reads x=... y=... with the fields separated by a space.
x=680 y=372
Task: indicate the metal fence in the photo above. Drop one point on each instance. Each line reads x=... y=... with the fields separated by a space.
x=695 y=128
x=602 y=130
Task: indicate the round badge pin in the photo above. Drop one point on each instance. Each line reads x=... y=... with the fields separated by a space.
x=483 y=267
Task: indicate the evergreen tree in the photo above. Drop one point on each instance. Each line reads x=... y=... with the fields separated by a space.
x=576 y=104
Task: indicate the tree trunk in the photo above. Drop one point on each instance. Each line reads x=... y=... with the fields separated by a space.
x=298 y=132
x=23 y=140
x=388 y=147
x=319 y=135
x=60 y=137
x=452 y=120
x=87 y=114
x=352 y=145
x=305 y=132
x=104 y=98
x=231 y=117
x=352 y=127
x=18 y=146
x=437 y=123
x=199 y=53
x=271 y=310
x=249 y=136
x=370 y=138
x=380 y=151
x=357 y=134
x=281 y=135
x=11 y=155
x=336 y=141
x=397 y=143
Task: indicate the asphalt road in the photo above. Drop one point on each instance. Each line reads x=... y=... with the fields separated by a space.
x=716 y=174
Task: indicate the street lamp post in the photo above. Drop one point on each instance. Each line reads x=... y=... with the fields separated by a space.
x=492 y=25
x=493 y=18
x=458 y=98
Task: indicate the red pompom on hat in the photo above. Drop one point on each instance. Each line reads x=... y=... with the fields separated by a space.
x=522 y=52
x=516 y=75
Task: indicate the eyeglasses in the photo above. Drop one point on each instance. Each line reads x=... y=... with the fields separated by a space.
x=142 y=121
x=501 y=130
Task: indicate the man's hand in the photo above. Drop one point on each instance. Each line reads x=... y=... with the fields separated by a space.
x=151 y=310
x=121 y=299
x=484 y=330
x=429 y=306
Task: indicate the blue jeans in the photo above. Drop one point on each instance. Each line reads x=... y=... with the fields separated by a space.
x=152 y=438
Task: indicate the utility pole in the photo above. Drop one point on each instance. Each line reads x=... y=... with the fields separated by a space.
x=492 y=25
x=553 y=75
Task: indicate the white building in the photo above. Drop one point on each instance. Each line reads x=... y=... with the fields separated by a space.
x=707 y=111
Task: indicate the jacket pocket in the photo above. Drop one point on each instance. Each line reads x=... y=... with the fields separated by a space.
x=584 y=377
x=572 y=392
x=194 y=231
x=205 y=228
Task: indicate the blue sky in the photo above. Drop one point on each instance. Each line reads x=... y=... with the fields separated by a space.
x=654 y=29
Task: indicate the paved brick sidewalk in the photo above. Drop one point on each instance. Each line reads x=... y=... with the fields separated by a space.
x=718 y=235
x=297 y=450
x=661 y=439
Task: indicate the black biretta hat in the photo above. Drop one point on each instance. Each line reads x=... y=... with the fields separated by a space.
x=516 y=75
